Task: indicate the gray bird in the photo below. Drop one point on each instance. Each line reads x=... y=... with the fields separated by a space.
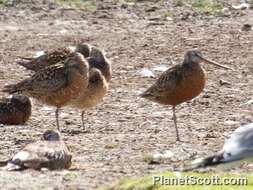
x=51 y=153
x=238 y=147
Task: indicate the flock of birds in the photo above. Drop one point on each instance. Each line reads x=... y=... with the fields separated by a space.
x=64 y=77
x=76 y=78
x=80 y=79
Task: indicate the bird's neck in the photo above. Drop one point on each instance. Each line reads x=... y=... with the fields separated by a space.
x=191 y=64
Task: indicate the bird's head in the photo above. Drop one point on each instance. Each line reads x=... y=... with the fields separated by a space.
x=51 y=135
x=19 y=98
x=84 y=49
x=195 y=56
x=97 y=55
x=77 y=61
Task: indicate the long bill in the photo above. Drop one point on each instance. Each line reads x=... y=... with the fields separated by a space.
x=215 y=63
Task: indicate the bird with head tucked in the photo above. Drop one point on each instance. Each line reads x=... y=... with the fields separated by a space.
x=54 y=56
x=15 y=110
x=99 y=76
x=57 y=84
x=50 y=152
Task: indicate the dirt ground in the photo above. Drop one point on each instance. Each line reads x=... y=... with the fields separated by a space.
x=125 y=129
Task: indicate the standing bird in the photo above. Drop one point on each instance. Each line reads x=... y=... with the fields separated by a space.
x=100 y=75
x=180 y=83
x=237 y=147
x=57 y=84
x=51 y=153
x=54 y=56
x=15 y=110
x=96 y=90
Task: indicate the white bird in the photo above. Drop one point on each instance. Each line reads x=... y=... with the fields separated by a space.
x=238 y=147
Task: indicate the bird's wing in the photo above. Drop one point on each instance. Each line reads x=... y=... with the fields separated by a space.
x=49 y=79
x=53 y=57
x=46 y=80
x=29 y=157
x=170 y=78
x=45 y=60
x=41 y=154
x=166 y=82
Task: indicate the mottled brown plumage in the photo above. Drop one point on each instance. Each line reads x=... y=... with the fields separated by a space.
x=51 y=153
x=15 y=110
x=100 y=75
x=96 y=90
x=52 y=57
x=57 y=84
x=180 y=83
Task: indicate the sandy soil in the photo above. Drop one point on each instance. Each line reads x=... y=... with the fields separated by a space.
x=124 y=129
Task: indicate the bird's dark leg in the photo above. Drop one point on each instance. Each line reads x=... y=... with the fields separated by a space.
x=175 y=121
x=57 y=118
x=82 y=115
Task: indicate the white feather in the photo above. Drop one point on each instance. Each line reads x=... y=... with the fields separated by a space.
x=146 y=73
x=39 y=53
x=22 y=155
x=197 y=161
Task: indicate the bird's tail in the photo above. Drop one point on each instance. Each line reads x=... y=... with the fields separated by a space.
x=9 y=166
x=27 y=64
x=150 y=94
x=204 y=162
x=13 y=88
x=25 y=58
x=145 y=94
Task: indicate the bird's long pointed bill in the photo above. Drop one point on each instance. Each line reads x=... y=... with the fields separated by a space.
x=214 y=63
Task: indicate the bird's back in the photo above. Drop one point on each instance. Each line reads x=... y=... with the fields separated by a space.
x=44 y=154
x=96 y=90
x=57 y=84
x=49 y=58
